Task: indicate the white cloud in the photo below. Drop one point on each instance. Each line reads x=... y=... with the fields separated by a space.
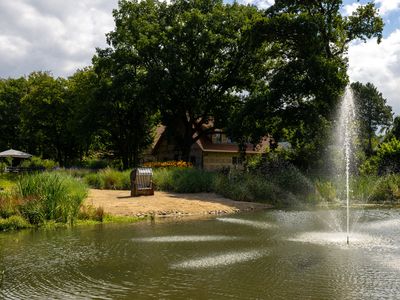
x=386 y=6
x=54 y=35
x=350 y=8
x=262 y=4
x=378 y=64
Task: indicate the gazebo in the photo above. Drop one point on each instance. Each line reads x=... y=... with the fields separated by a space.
x=14 y=154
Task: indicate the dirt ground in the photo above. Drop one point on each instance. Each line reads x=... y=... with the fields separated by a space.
x=120 y=203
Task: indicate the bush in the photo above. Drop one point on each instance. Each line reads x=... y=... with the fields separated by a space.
x=183 y=180
x=91 y=213
x=92 y=163
x=93 y=180
x=37 y=163
x=242 y=186
x=325 y=191
x=13 y=223
x=386 y=160
x=387 y=189
x=108 y=179
x=50 y=196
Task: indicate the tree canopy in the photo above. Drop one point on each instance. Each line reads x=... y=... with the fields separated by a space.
x=196 y=56
x=308 y=43
x=373 y=112
x=195 y=66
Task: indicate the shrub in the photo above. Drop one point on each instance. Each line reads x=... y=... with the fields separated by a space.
x=93 y=180
x=387 y=189
x=325 y=191
x=13 y=223
x=108 y=179
x=92 y=163
x=183 y=180
x=386 y=160
x=362 y=188
x=113 y=179
x=50 y=196
x=91 y=213
x=242 y=186
x=37 y=162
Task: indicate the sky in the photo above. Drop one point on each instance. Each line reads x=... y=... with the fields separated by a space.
x=61 y=36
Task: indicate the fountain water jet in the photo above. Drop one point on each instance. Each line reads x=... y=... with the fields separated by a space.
x=347 y=121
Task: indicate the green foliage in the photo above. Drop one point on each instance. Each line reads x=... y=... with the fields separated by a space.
x=11 y=93
x=325 y=191
x=395 y=130
x=192 y=56
x=183 y=180
x=246 y=187
x=50 y=196
x=387 y=190
x=8 y=205
x=307 y=43
x=108 y=179
x=373 y=112
x=37 y=162
x=91 y=213
x=93 y=180
x=13 y=223
x=385 y=161
x=94 y=164
x=363 y=188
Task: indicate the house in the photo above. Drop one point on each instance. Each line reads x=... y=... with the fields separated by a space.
x=211 y=152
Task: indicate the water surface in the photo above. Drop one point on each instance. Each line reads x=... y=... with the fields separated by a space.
x=266 y=255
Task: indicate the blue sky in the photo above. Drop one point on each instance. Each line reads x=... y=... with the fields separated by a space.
x=61 y=36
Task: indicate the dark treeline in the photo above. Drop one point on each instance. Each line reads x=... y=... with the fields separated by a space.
x=277 y=72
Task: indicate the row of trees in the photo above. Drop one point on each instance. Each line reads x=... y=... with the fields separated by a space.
x=192 y=63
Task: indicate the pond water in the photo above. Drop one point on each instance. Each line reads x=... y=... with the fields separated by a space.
x=267 y=255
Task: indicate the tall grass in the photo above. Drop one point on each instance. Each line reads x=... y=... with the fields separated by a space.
x=183 y=180
x=50 y=196
x=109 y=179
x=247 y=187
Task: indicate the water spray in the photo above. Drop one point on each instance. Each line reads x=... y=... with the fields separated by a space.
x=347 y=116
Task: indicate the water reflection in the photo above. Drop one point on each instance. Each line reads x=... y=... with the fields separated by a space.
x=266 y=255
x=219 y=260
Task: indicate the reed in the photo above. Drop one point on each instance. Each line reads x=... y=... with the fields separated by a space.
x=50 y=196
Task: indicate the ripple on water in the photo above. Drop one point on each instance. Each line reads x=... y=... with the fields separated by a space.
x=339 y=239
x=219 y=260
x=186 y=238
x=256 y=224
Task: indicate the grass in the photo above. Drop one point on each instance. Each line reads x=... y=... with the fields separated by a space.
x=13 y=223
x=108 y=179
x=50 y=196
x=183 y=180
x=54 y=199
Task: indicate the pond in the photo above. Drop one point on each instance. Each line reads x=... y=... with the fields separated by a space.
x=267 y=255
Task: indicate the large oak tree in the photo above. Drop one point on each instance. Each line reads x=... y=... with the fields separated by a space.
x=196 y=56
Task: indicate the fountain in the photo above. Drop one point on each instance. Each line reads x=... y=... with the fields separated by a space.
x=347 y=134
